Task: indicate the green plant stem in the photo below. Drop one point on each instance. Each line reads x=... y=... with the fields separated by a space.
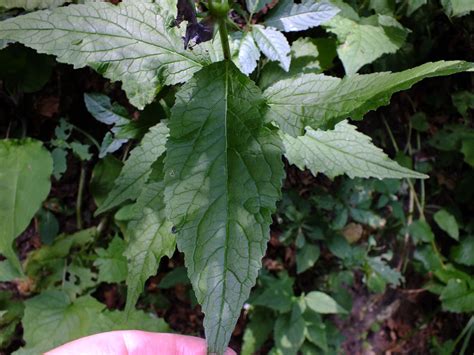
x=80 y=193
x=224 y=38
x=88 y=136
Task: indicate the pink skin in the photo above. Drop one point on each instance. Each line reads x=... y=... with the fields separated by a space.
x=134 y=342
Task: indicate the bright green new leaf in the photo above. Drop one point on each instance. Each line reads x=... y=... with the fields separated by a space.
x=137 y=168
x=343 y=150
x=32 y=4
x=150 y=238
x=25 y=173
x=457 y=8
x=288 y=16
x=223 y=175
x=111 y=263
x=320 y=302
x=132 y=42
x=363 y=42
x=447 y=222
x=273 y=44
x=321 y=101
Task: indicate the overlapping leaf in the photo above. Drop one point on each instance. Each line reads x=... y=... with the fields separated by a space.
x=288 y=16
x=223 y=174
x=25 y=173
x=273 y=44
x=364 y=41
x=137 y=168
x=342 y=151
x=321 y=101
x=247 y=53
x=131 y=42
x=150 y=238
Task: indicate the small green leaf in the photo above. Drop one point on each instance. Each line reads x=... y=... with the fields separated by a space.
x=218 y=144
x=137 y=168
x=458 y=296
x=464 y=252
x=48 y=226
x=256 y=332
x=321 y=101
x=421 y=231
x=289 y=332
x=320 y=302
x=175 y=277
x=343 y=150
x=273 y=44
x=277 y=296
x=447 y=222
x=111 y=263
x=59 y=156
x=104 y=174
x=25 y=173
x=8 y=272
x=288 y=16
x=419 y=122
x=306 y=257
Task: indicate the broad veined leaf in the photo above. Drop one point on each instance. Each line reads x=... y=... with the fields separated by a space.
x=273 y=44
x=321 y=101
x=32 y=4
x=131 y=42
x=25 y=173
x=247 y=53
x=149 y=239
x=53 y=313
x=343 y=150
x=364 y=41
x=223 y=174
x=320 y=302
x=288 y=16
x=137 y=168
x=111 y=263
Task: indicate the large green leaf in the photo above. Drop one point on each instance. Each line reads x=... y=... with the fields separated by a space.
x=288 y=16
x=131 y=42
x=137 y=168
x=150 y=238
x=25 y=170
x=364 y=41
x=342 y=151
x=223 y=175
x=52 y=319
x=32 y=4
x=321 y=101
